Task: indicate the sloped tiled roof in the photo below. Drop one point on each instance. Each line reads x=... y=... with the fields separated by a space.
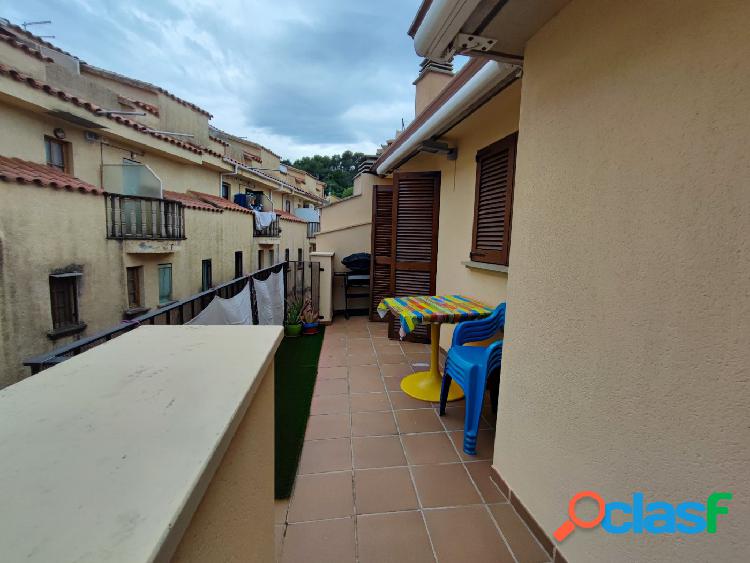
x=292 y=187
x=140 y=84
x=19 y=76
x=152 y=109
x=13 y=42
x=26 y=172
x=190 y=202
x=289 y=217
x=219 y=202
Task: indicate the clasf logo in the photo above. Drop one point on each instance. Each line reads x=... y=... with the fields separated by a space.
x=639 y=517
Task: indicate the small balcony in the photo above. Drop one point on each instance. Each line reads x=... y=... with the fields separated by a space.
x=271 y=231
x=144 y=218
x=313 y=228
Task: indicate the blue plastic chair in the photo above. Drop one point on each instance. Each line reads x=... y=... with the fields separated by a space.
x=470 y=366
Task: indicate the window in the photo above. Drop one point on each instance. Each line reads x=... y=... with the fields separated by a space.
x=57 y=154
x=288 y=206
x=260 y=259
x=270 y=258
x=286 y=255
x=299 y=255
x=63 y=293
x=206 y=282
x=238 y=269
x=226 y=190
x=493 y=201
x=165 y=283
x=134 y=277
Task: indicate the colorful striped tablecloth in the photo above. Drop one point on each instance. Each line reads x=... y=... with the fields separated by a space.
x=420 y=309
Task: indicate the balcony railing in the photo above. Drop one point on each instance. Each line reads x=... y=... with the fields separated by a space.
x=130 y=217
x=313 y=228
x=301 y=280
x=272 y=230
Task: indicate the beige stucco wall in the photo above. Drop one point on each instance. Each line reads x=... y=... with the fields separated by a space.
x=18 y=59
x=626 y=359
x=427 y=88
x=234 y=521
x=43 y=229
x=293 y=236
x=495 y=120
x=346 y=228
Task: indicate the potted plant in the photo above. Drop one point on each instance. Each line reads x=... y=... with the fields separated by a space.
x=310 y=323
x=293 y=321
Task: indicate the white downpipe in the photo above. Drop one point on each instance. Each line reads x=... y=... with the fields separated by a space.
x=440 y=26
x=478 y=85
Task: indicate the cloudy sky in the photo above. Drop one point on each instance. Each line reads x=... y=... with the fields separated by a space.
x=299 y=76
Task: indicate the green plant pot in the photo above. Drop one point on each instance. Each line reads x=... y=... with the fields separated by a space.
x=293 y=330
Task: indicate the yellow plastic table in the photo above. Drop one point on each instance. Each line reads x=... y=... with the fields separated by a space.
x=435 y=310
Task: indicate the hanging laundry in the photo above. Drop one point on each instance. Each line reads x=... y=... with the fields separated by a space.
x=234 y=311
x=269 y=297
x=263 y=218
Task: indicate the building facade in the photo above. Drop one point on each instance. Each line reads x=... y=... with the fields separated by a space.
x=118 y=197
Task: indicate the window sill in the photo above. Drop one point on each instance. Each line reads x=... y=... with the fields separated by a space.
x=496 y=268
x=134 y=312
x=66 y=331
x=166 y=304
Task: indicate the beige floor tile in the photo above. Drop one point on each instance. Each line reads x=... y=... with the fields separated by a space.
x=332 y=373
x=369 y=402
x=330 y=404
x=384 y=490
x=332 y=360
x=444 y=485
x=320 y=542
x=481 y=472
x=387 y=358
x=428 y=448
x=356 y=371
x=399 y=537
x=331 y=387
x=373 y=424
x=383 y=451
x=479 y=538
x=317 y=497
x=366 y=384
x=414 y=421
x=320 y=456
x=521 y=542
x=485 y=444
x=396 y=370
x=361 y=360
x=401 y=400
x=324 y=426
x=281 y=506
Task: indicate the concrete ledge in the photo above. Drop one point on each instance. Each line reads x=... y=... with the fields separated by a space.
x=471 y=264
x=118 y=454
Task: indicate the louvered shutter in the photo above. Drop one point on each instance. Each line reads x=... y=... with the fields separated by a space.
x=416 y=200
x=381 y=260
x=493 y=202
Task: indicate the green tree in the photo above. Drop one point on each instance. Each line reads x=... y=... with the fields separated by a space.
x=337 y=171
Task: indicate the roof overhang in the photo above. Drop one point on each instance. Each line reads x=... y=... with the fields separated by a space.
x=481 y=81
x=498 y=29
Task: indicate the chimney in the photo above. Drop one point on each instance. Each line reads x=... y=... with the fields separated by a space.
x=433 y=77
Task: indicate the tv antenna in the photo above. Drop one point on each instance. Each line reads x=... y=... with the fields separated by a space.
x=25 y=26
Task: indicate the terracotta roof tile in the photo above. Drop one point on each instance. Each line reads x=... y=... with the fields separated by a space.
x=219 y=202
x=18 y=76
x=289 y=217
x=152 y=109
x=13 y=42
x=190 y=202
x=26 y=172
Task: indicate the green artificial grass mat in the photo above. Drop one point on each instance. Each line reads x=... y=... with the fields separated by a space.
x=296 y=368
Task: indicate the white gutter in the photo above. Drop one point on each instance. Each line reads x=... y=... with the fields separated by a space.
x=441 y=24
x=488 y=77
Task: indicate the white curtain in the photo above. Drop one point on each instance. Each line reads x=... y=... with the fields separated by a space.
x=269 y=295
x=234 y=311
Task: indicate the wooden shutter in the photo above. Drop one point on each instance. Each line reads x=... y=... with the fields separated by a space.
x=493 y=201
x=381 y=260
x=416 y=202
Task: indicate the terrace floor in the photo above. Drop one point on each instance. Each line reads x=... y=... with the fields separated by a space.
x=382 y=477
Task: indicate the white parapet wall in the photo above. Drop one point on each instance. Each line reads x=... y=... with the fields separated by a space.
x=155 y=446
